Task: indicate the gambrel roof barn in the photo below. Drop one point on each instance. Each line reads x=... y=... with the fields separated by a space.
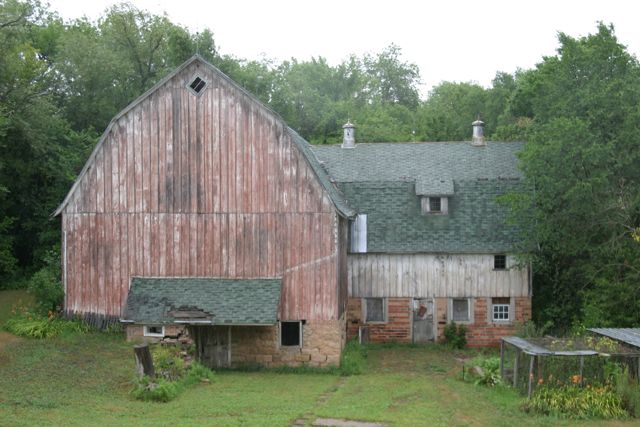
x=201 y=209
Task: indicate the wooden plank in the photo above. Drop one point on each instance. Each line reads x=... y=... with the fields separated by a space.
x=130 y=129
x=154 y=153
x=194 y=155
x=162 y=150
x=185 y=146
x=215 y=148
x=124 y=257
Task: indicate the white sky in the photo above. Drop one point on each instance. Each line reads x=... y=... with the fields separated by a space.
x=450 y=40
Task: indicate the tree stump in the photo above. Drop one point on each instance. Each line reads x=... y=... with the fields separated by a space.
x=144 y=361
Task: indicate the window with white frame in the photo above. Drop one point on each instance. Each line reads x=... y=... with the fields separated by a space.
x=153 y=331
x=358 y=234
x=460 y=310
x=501 y=309
x=374 y=310
x=291 y=334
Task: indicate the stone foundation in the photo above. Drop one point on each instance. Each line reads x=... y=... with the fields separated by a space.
x=482 y=332
x=322 y=343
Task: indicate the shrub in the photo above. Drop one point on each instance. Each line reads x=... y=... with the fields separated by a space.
x=629 y=392
x=161 y=389
x=353 y=359
x=576 y=402
x=31 y=325
x=167 y=363
x=489 y=372
x=157 y=390
x=45 y=284
x=455 y=335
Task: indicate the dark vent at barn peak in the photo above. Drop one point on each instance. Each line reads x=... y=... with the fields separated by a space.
x=197 y=85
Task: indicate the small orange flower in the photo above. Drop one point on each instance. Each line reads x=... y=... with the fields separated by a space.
x=540 y=381
x=576 y=379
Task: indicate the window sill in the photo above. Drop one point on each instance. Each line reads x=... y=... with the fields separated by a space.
x=500 y=269
x=376 y=322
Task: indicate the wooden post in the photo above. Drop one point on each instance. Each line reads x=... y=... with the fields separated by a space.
x=515 y=368
x=581 y=370
x=531 y=362
x=144 y=361
x=502 y=360
x=229 y=347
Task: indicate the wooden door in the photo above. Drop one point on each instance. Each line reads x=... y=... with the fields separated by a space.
x=422 y=320
x=213 y=346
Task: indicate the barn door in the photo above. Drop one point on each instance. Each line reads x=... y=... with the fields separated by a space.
x=213 y=346
x=422 y=320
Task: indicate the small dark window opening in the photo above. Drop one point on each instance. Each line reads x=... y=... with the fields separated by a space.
x=374 y=310
x=435 y=204
x=197 y=85
x=499 y=262
x=154 y=329
x=290 y=333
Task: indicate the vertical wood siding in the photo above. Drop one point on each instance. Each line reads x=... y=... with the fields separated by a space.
x=208 y=185
x=428 y=275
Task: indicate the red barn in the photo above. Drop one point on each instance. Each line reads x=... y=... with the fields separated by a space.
x=200 y=207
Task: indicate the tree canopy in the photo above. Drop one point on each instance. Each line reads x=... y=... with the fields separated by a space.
x=579 y=110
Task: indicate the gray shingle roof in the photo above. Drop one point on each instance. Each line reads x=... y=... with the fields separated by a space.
x=385 y=181
x=223 y=301
x=425 y=161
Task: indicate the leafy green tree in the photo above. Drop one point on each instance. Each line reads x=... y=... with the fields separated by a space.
x=583 y=162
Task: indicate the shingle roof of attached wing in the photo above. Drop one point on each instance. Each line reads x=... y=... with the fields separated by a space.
x=426 y=161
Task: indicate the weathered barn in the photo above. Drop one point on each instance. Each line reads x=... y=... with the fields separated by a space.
x=199 y=207
x=197 y=179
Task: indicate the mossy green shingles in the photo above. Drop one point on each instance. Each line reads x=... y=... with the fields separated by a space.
x=225 y=301
x=386 y=182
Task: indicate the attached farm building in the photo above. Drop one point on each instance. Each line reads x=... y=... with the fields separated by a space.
x=200 y=208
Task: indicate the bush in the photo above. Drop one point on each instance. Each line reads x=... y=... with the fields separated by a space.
x=488 y=373
x=45 y=284
x=162 y=390
x=455 y=335
x=629 y=392
x=167 y=363
x=577 y=402
x=157 y=390
x=31 y=325
x=353 y=359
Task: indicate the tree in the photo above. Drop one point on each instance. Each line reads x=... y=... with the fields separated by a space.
x=583 y=162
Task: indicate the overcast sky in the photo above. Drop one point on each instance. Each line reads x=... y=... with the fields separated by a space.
x=450 y=40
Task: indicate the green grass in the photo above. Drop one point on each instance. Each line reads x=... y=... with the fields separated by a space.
x=86 y=380
x=9 y=299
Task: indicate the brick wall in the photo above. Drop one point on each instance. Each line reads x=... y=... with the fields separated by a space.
x=397 y=328
x=483 y=332
x=136 y=332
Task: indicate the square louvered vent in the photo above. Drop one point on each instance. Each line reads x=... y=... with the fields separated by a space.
x=197 y=85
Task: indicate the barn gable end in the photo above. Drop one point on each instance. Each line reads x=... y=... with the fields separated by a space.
x=203 y=184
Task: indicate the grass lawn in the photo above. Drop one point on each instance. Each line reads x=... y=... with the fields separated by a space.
x=9 y=299
x=85 y=380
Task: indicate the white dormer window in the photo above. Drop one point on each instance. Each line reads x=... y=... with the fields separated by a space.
x=358 y=234
x=434 y=205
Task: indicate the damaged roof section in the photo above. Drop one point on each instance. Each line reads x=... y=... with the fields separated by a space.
x=203 y=300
